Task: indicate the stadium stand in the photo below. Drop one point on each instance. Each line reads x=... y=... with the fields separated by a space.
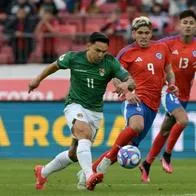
x=80 y=19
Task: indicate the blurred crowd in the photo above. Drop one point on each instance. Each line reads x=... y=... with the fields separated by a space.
x=37 y=31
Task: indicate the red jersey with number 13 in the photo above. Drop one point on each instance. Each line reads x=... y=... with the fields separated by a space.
x=147 y=67
x=183 y=59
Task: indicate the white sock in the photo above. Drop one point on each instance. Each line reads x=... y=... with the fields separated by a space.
x=84 y=156
x=61 y=161
x=104 y=165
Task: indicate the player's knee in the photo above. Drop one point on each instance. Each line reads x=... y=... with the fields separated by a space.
x=165 y=132
x=82 y=131
x=72 y=155
x=139 y=128
x=84 y=134
x=183 y=120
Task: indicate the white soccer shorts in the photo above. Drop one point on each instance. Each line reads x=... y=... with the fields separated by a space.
x=75 y=111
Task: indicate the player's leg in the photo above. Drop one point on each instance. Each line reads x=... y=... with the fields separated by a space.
x=84 y=129
x=156 y=147
x=81 y=185
x=135 y=124
x=176 y=109
x=61 y=161
x=181 y=122
x=149 y=116
x=97 y=161
x=171 y=104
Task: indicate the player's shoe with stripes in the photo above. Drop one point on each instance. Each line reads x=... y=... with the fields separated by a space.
x=93 y=180
x=144 y=175
x=167 y=167
x=81 y=185
x=40 y=180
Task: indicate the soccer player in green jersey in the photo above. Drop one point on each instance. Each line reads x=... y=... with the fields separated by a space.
x=91 y=70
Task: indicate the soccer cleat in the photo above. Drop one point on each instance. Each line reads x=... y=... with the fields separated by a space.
x=40 y=181
x=144 y=175
x=81 y=185
x=167 y=167
x=94 y=179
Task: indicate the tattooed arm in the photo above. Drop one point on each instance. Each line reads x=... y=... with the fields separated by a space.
x=122 y=86
x=170 y=77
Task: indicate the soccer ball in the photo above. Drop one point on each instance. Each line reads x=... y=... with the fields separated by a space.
x=129 y=156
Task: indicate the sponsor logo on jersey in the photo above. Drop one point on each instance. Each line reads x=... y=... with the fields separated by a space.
x=194 y=53
x=101 y=71
x=159 y=55
x=139 y=59
x=175 y=52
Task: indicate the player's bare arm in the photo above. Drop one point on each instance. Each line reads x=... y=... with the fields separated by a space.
x=123 y=86
x=170 y=77
x=124 y=90
x=53 y=67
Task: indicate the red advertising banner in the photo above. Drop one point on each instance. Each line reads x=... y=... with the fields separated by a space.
x=50 y=89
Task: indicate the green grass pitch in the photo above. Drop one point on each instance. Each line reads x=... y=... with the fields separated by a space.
x=17 y=179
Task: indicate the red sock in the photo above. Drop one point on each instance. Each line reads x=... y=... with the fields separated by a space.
x=156 y=147
x=173 y=136
x=96 y=162
x=123 y=139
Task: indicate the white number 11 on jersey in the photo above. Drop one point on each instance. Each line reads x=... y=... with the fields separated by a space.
x=90 y=82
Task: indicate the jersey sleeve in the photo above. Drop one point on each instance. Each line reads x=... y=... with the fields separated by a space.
x=119 y=72
x=121 y=58
x=64 y=61
x=169 y=41
x=167 y=55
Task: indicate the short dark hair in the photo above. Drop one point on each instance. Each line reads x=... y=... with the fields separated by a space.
x=98 y=36
x=187 y=13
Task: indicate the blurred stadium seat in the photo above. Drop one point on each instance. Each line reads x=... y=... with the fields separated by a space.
x=76 y=20
x=108 y=7
x=65 y=38
x=90 y=27
x=6 y=55
x=94 y=23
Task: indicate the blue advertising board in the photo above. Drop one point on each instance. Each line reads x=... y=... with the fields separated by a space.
x=39 y=129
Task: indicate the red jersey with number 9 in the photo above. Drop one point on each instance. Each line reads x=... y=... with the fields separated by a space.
x=147 y=67
x=183 y=59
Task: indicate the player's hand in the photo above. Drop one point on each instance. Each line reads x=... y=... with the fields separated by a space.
x=131 y=97
x=32 y=85
x=116 y=82
x=172 y=88
x=121 y=87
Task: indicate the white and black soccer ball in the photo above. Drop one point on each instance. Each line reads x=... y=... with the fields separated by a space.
x=129 y=156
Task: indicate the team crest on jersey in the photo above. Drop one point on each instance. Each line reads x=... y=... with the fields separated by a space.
x=80 y=115
x=159 y=55
x=194 y=53
x=101 y=71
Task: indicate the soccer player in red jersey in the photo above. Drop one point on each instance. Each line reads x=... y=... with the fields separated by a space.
x=183 y=58
x=149 y=65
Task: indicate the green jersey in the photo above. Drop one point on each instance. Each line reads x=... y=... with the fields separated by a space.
x=88 y=81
